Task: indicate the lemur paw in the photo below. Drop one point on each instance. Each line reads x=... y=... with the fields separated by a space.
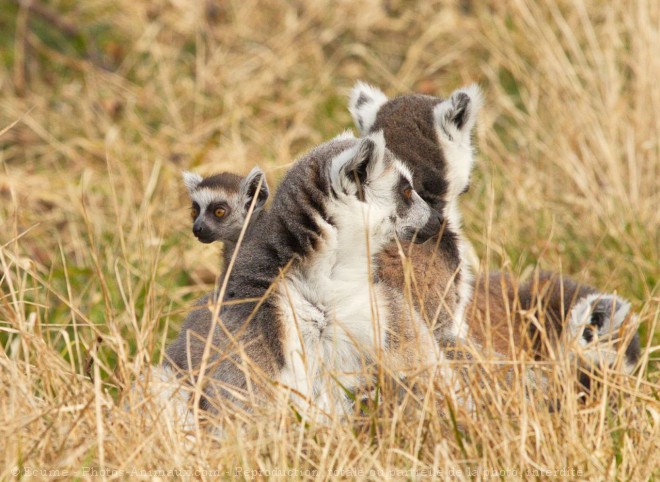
x=599 y=324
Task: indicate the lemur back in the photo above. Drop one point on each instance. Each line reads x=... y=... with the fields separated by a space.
x=299 y=302
x=432 y=137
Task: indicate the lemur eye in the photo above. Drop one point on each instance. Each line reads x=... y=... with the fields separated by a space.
x=219 y=212
x=194 y=212
x=407 y=193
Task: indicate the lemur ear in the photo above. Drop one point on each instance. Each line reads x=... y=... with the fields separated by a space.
x=250 y=186
x=191 y=180
x=358 y=164
x=364 y=103
x=455 y=117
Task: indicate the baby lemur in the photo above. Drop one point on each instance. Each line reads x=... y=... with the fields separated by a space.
x=220 y=204
x=432 y=136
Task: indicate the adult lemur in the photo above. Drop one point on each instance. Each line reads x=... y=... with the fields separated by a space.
x=432 y=137
x=303 y=307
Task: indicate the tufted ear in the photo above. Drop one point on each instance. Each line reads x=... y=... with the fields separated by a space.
x=352 y=169
x=364 y=103
x=250 y=186
x=191 y=180
x=455 y=117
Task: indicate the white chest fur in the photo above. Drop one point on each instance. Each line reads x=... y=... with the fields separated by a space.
x=334 y=317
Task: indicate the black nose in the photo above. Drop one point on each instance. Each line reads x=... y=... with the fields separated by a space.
x=430 y=229
x=202 y=233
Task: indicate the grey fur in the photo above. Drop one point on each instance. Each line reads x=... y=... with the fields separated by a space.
x=284 y=240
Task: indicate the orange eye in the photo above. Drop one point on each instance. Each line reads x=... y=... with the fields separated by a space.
x=219 y=212
x=194 y=212
x=407 y=193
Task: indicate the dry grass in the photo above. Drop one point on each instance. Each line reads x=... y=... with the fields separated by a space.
x=105 y=103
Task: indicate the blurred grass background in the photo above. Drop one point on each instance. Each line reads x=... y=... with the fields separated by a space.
x=104 y=103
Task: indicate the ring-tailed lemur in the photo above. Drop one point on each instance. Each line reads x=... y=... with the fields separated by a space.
x=220 y=204
x=432 y=137
x=569 y=317
x=302 y=305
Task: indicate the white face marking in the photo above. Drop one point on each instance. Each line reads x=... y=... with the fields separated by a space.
x=603 y=347
x=207 y=196
x=413 y=214
x=225 y=228
x=384 y=209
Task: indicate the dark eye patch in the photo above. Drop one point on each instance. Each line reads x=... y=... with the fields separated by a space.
x=405 y=190
x=194 y=210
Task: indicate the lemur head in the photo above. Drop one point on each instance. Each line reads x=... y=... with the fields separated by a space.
x=599 y=323
x=220 y=203
x=430 y=135
x=367 y=177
